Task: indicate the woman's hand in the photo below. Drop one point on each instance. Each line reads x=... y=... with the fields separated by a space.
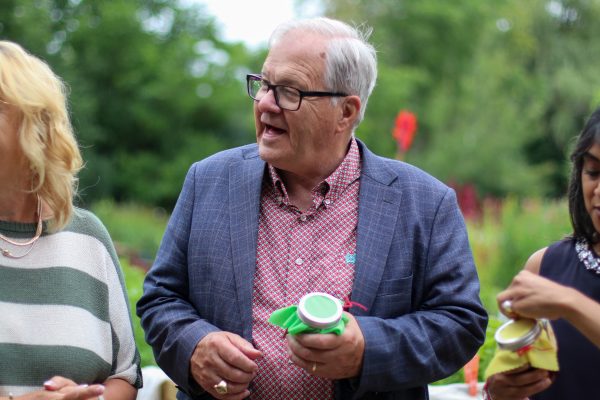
x=71 y=390
x=518 y=384
x=533 y=296
x=60 y=388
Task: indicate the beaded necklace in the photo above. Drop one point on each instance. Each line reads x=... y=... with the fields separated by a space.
x=587 y=256
x=31 y=242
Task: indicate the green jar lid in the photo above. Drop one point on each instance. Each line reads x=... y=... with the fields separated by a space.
x=320 y=310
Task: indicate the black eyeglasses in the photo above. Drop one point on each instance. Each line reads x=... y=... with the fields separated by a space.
x=286 y=97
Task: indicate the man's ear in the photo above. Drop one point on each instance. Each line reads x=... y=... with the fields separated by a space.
x=349 y=112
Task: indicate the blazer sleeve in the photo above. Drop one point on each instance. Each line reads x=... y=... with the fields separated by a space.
x=446 y=324
x=171 y=323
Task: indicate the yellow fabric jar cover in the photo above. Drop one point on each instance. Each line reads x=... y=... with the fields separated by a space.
x=542 y=353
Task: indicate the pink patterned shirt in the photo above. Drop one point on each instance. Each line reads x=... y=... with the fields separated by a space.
x=297 y=253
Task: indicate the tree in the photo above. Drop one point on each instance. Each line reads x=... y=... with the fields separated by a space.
x=152 y=88
x=500 y=88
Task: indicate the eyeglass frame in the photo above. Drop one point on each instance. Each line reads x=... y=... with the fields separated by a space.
x=303 y=93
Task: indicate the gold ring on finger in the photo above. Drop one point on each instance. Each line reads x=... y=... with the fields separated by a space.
x=221 y=387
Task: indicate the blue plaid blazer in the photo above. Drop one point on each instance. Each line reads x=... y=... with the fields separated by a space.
x=414 y=273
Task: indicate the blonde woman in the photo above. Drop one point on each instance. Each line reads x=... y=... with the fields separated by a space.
x=66 y=331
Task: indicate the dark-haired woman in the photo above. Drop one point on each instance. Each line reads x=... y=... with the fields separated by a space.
x=562 y=283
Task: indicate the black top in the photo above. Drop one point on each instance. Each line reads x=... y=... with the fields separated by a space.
x=578 y=358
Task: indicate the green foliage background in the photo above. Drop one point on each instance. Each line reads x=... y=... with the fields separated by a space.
x=152 y=88
x=500 y=88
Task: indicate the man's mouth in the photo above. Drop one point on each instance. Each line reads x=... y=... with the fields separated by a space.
x=274 y=130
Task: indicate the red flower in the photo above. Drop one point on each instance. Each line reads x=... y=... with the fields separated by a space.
x=405 y=129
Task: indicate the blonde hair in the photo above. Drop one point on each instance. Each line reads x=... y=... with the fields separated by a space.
x=45 y=132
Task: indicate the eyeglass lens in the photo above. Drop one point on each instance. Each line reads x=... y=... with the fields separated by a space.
x=285 y=97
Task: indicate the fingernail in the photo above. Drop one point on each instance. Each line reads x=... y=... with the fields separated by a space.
x=49 y=383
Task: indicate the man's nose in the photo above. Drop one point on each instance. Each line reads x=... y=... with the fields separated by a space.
x=267 y=103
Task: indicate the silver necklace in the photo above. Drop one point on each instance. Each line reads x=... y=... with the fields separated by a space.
x=587 y=256
x=31 y=242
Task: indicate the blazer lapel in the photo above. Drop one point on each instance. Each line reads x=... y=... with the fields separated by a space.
x=244 y=192
x=379 y=205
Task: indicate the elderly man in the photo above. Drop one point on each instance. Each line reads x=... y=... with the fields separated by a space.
x=310 y=209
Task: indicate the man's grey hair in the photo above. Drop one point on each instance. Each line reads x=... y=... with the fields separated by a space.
x=351 y=61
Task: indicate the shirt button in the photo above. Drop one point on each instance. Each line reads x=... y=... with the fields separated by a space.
x=299 y=261
x=303 y=217
x=280 y=199
x=327 y=201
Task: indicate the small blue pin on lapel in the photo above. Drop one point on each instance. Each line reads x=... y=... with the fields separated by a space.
x=350 y=258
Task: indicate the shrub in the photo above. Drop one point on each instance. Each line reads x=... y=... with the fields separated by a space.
x=136 y=230
x=134 y=278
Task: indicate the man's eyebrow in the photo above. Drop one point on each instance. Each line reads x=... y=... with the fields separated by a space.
x=282 y=80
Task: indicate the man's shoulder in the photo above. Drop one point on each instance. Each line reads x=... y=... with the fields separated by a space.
x=222 y=160
x=247 y=151
x=399 y=173
x=234 y=154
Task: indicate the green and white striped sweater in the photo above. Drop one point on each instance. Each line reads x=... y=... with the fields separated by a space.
x=64 y=309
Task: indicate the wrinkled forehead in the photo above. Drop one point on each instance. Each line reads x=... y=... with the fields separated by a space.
x=298 y=56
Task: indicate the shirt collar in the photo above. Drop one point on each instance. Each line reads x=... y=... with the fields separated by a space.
x=331 y=187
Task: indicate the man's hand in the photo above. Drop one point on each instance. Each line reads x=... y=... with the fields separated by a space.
x=329 y=355
x=519 y=383
x=224 y=356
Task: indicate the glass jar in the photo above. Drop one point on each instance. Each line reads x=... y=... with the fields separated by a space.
x=517 y=334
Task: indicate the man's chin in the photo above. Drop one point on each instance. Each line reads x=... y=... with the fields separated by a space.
x=268 y=153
